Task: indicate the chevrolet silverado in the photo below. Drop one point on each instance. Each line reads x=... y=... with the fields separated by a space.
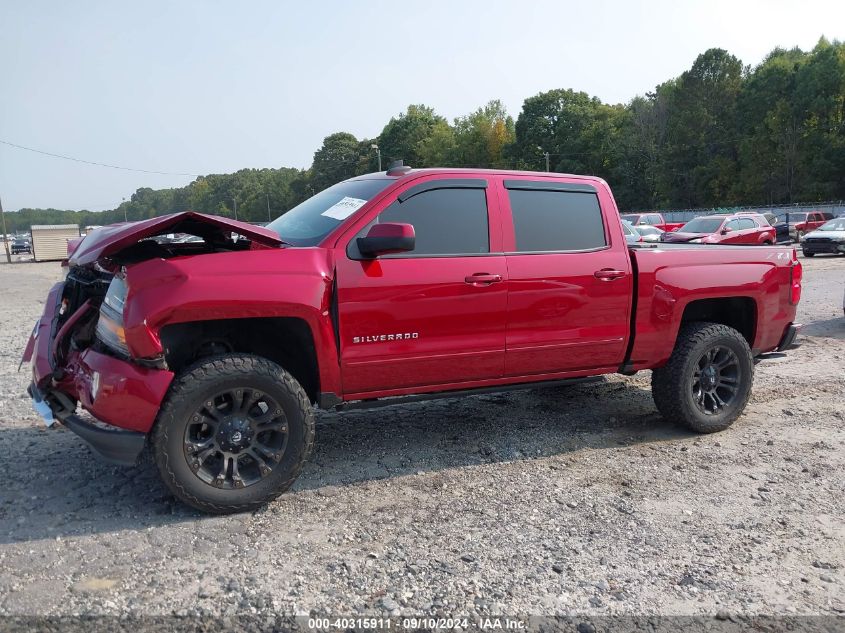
x=406 y=284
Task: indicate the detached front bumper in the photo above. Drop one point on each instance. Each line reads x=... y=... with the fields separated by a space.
x=114 y=445
x=123 y=397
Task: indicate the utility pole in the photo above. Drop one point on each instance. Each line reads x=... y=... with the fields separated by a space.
x=123 y=203
x=5 y=235
x=269 y=219
x=546 y=154
x=378 y=153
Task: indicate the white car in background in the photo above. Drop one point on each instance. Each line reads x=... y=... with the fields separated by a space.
x=828 y=238
x=631 y=235
x=648 y=233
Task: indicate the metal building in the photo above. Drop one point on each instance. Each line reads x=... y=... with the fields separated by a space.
x=49 y=241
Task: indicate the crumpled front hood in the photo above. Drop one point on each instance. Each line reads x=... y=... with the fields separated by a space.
x=108 y=240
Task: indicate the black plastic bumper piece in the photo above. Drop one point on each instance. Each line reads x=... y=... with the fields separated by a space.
x=788 y=340
x=117 y=446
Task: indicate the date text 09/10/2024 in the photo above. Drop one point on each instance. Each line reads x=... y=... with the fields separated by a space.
x=417 y=623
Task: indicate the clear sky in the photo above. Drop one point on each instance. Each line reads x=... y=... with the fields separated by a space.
x=212 y=87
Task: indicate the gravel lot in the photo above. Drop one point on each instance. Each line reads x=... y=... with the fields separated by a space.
x=560 y=501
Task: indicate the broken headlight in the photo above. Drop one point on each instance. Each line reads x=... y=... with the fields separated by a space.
x=110 y=324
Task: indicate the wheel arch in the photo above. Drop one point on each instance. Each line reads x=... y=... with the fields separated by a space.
x=287 y=341
x=740 y=313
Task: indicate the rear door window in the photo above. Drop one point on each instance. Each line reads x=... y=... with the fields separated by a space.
x=555 y=220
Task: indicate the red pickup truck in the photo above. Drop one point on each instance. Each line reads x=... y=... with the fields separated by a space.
x=652 y=219
x=409 y=284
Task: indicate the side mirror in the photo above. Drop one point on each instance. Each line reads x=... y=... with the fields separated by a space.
x=387 y=238
x=726 y=230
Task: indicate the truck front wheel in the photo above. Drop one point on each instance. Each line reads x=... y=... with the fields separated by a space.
x=233 y=433
x=707 y=381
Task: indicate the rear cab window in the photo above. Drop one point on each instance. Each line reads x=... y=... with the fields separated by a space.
x=555 y=216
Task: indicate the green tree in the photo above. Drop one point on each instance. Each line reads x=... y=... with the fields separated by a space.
x=699 y=166
x=406 y=137
x=480 y=138
x=336 y=160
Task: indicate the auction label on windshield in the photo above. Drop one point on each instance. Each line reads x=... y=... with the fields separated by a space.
x=344 y=208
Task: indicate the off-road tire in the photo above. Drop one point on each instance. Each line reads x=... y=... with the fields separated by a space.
x=672 y=384
x=189 y=390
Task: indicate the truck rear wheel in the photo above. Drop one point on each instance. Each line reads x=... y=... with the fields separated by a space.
x=707 y=381
x=233 y=433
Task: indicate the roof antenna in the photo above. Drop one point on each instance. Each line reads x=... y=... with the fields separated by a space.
x=397 y=168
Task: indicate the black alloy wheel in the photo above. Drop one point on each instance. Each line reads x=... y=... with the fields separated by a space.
x=707 y=381
x=233 y=433
x=715 y=383
x=236 y=438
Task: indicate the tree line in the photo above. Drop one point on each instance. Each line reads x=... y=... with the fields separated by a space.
x=721 y=134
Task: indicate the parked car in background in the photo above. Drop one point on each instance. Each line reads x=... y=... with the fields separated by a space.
x=744 y=228
x=21 y=245
x=649 y=233
x=780 y=225
x=652 y=219
x=631 y=235
x=828 y=238
x=801 y=223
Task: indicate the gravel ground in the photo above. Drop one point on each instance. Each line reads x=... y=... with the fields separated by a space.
x=559 y=501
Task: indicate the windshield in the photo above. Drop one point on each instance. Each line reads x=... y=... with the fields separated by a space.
x=626 y=227
x=309 y=222
x=837 y=224
x=702 y=225
x=631 y=218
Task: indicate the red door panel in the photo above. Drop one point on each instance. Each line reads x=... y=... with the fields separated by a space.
x=418 y=321
x=567 y=311
x=433 y=316
x=562 y=317
x=734 y=235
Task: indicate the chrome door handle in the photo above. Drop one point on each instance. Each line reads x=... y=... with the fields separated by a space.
x=482 y=279
x=609 y=274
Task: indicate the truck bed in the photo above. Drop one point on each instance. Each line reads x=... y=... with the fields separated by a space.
x=670 y=276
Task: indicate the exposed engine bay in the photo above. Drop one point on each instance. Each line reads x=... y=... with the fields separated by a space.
x=94 y=292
